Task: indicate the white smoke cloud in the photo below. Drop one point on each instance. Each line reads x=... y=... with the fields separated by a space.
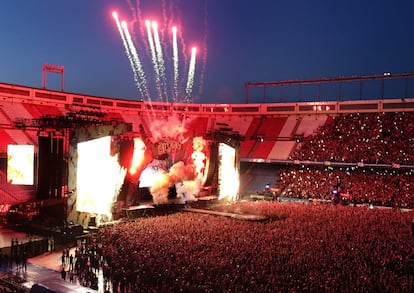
x=179 y=172
x=188 y=190
x=171 y=127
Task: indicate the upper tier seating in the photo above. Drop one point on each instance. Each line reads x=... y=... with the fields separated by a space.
x=370 y=138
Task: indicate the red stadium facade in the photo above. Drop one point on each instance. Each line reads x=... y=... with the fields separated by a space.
x=55 y=123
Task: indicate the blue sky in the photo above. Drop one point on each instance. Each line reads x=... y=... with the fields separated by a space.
x=237 y=41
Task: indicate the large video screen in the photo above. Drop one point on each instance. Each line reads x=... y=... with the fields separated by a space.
x=99 y=176
x=20 y=164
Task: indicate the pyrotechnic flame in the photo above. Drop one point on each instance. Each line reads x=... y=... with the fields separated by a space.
x=171 y=127
x=138 y=155
x=198 y=156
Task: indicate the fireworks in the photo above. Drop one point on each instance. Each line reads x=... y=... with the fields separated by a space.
x=153 y=57
x=191 y=71
x=154 y=48
x=158 y=54
x=137 y=66
x=175 y=59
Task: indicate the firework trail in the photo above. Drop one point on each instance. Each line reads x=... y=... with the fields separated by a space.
x=127 y=51
x=137 y=62
x=168 y=55
x=154 y=58
x=204 y=63
x=175 y=60
x=160 y=59
x=136 y=15
x=190 y=79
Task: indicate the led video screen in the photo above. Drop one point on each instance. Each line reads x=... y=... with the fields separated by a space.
x=20 y=164
x=99 y=176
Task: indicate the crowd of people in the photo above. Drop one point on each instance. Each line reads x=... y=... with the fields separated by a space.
x=386 y=138
x=377 y=186
x=15 y=258
x=377 y=145
x=80 y=266
x=301 y=247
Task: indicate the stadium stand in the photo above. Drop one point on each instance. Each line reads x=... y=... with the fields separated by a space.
x=5 y=140
x=16 y=110
x=289 y=126
x=4 y=120
x=281 y=149
x=238 y=124
x=20 y=137
x=357 y=133
x=362 y=137
x=365 y=157
x=50 y=110
x=33 y=110
x=309 y=124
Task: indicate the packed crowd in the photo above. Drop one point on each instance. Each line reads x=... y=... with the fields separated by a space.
x=301 y=247
x=362 y=137
x=80 y=267
x=377 y=186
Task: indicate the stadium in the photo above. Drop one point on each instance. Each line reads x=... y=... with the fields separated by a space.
x=306 y=196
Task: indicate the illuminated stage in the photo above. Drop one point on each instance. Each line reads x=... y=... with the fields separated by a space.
x=244 y=217
x=204 y=205
x=114 y=173
x=149 y=209
x=103 y=170
x=133 y=212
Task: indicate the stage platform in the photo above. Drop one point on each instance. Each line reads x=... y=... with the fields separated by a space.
x=245 y=217
x=6 y=236
x=150 y=209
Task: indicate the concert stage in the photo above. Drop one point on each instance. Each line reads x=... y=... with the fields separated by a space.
x=133 y=212
x=245 y=217
x=149 y=209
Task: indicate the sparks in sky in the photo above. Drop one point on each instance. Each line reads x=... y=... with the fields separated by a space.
x=187 y=176
x=137 y=68
x=175 y=60
x=127 y=49
x=191 y=72
x=155 y=49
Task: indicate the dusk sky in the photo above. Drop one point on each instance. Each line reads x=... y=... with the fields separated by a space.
x=237 y=42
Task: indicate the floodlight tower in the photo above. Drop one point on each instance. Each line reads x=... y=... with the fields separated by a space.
x=55 y=69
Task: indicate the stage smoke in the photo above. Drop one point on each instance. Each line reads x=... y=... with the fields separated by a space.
x=170 y=127
x=179 y=172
